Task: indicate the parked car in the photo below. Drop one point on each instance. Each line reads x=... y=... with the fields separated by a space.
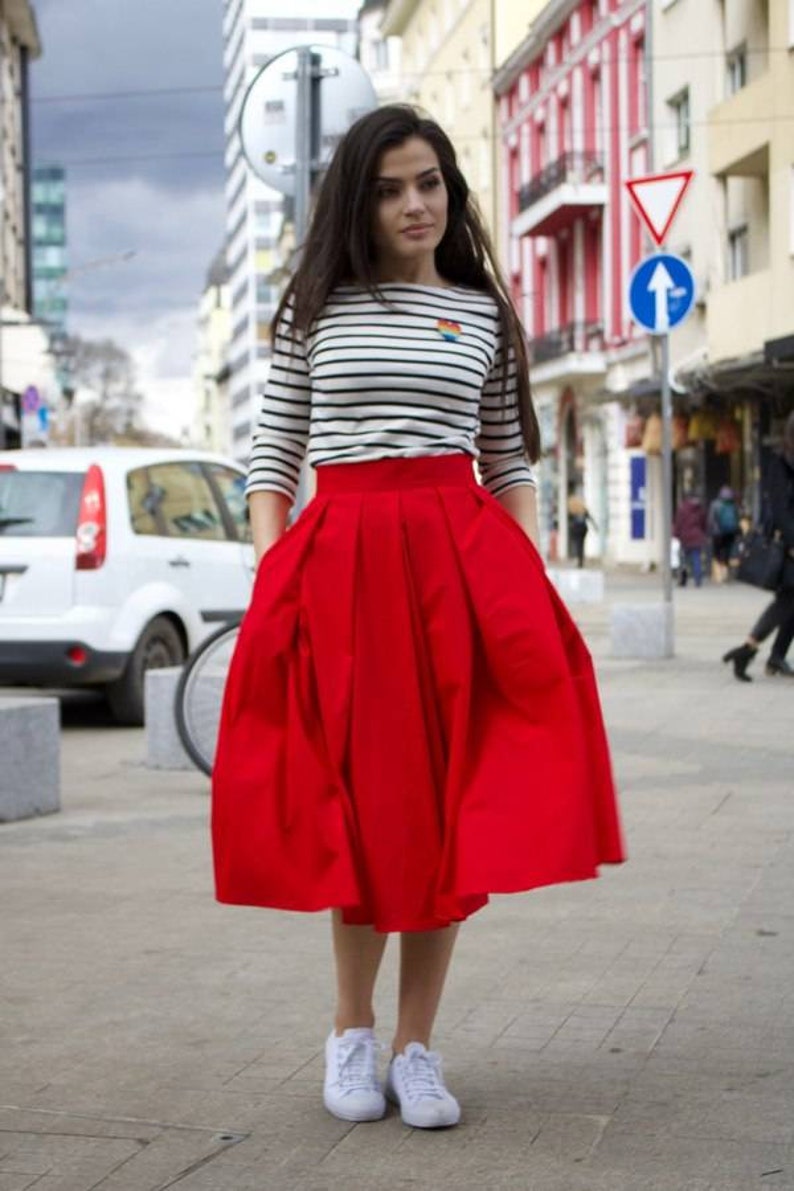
x=115 y=560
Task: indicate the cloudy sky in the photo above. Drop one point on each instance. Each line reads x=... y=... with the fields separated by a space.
x=128 y=96
x=144 y=171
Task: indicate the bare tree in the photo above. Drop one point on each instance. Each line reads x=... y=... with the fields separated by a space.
x=107 y=369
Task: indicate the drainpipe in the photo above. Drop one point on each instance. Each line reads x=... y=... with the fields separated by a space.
x=649 y=92
x=495 y=196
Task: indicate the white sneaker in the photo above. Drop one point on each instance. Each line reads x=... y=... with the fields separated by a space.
x=352 y=1089
x=415 y=1083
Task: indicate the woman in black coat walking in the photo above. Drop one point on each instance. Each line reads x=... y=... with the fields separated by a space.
x=779 y=614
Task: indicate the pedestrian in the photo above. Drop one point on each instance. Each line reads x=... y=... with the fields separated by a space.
x=579 y=521
x=779 y=614
x=411 y=720
x=689 y=527
x=723 y=526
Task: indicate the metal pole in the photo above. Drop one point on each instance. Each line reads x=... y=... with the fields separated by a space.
x=667 y=472
x=306 y=115
x=303 y=144
x=2 y=228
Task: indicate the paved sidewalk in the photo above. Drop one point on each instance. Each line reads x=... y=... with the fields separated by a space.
x=634 y=1033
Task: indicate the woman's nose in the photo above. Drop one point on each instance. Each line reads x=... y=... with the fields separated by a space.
x=413 y=201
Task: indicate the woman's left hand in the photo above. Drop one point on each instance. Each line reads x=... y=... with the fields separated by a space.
x=521 y=502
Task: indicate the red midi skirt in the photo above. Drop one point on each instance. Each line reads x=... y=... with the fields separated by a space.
x=411 y=720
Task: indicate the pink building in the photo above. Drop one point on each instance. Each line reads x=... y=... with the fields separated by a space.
x=573 y=103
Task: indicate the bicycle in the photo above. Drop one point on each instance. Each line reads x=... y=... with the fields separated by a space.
x=199 y=695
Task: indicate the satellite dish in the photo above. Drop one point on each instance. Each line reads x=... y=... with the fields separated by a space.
x=271 y=112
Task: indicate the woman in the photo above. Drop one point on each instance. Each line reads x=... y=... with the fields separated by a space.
x=579 y=522
x=411 y=720
x=689 y=527
x=723 y=526
x=780 y=613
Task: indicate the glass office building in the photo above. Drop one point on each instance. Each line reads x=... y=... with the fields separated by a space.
x=48 y=204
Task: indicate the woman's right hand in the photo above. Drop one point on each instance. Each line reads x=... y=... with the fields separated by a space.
x=269 y=512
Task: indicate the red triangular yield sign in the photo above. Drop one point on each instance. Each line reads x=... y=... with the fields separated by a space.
x=657 y=198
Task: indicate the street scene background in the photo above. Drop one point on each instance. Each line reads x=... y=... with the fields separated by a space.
x=632 y=1032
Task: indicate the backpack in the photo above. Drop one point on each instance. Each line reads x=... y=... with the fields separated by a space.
x=727 y=517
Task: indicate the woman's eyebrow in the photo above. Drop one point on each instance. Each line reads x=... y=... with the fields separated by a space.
x=433 y=170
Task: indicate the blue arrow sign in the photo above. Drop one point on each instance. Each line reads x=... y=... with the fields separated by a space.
x=661 y=292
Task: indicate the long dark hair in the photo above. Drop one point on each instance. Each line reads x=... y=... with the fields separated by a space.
x=339 y=248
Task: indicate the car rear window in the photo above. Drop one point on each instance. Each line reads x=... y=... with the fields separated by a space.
x=39 y=504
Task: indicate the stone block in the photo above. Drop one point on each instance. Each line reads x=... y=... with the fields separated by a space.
x=30 y=748
x=578 y=586
x=163 y=747
x=641 y=630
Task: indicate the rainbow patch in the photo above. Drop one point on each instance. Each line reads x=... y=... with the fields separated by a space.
x=448 y=330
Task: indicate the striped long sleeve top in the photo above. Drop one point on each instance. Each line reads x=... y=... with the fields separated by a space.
x=421 y=375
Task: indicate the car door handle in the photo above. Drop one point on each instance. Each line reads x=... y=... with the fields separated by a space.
x=179 y=562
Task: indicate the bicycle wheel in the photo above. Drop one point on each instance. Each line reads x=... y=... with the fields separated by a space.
x=199 y=695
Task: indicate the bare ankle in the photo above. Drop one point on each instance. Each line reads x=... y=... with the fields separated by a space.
x=353 y=1021
x=402 y=1040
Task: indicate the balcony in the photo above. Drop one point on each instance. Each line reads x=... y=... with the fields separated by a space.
x=739 y=130
x=575 y=350
x=570 y=186
x=741 y=316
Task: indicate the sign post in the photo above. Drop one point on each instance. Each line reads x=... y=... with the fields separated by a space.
x=661 y=293
x=298 y=107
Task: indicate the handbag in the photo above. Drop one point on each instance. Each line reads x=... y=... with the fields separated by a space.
x=761 y=560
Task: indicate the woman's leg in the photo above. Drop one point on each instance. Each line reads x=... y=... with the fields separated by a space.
x=771 y=618
x=358 y=951
x=785 y=633
x=696 y=563
x=424 y=962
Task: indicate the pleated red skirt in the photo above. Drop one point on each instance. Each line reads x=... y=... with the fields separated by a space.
x=411 y=719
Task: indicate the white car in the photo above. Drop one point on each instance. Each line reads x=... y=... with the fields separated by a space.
x=114 y=560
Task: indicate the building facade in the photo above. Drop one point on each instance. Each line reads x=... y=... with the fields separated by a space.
x=212 y=429
x=574 y=126
x=255 y=31
x=48 y=206
x=23 y=362
x=737 y=366
x=450 y=49
x=378 y=54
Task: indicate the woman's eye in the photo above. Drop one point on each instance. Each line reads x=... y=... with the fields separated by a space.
x=431 y=183
x=385 y=192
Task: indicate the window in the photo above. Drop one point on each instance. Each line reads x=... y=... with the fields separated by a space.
x=680 y=122
x=180 y=498
x=381 y=49
x=565 y=128
x=639 y=84
x=598 y=114
x=142 y=503
x=738 y=253
x=736 y=76
x=38 y=504
x=232 y=489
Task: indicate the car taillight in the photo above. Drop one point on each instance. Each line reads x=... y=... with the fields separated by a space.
x=92 y=522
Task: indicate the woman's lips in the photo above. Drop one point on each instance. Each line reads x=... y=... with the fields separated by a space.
x=416 y=233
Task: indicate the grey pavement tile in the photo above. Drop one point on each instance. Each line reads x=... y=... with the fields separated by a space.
x=73 y=1159
x=717 y=1161
x=726 y=1115
x=14 y=1181
x=628 y=1034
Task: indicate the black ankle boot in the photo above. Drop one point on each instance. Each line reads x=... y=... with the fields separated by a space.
x=779 y=666
x=741 y=657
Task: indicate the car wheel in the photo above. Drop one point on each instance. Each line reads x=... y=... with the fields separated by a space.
x=159 y=645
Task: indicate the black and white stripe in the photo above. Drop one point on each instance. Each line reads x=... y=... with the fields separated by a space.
x=375 y=381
